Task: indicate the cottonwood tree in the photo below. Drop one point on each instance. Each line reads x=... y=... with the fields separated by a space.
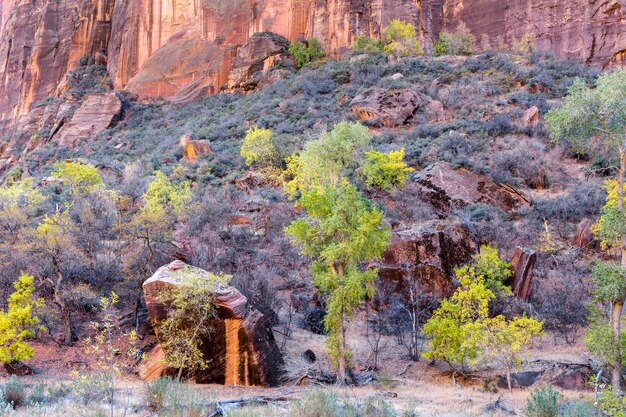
x=588 y=118
x=341 y=231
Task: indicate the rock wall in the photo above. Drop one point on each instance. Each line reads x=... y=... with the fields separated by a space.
x=184 y=48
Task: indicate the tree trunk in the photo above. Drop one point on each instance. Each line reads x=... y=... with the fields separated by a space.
x=508 y=380
x=343 y=365
x=58 y=300
x=616 y=313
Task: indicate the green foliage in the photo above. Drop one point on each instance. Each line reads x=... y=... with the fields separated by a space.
x=543 y=402
x=18 y=323
x=401 y=39
x=462 y=331
x=81 y=178
x=366 y=45
x=191 y=309
x=385 y=170
x=599 y=339
x=324 y=161
x=587 y=113
x=258 y=147
x=613 y=404
x=342 y=230
x=610 y=281
x=14 y=392
x=327 y=403
x=454 y=43
x=164 y=197
x=456 y=326
x=305 y=53
x=496 y=271
x=611 y=226
x=579 y=408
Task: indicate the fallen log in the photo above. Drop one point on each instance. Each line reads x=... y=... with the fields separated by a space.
x=222 y=407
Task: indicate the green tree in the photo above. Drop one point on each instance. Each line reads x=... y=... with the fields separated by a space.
x=258 y=147
x=385 y=170
x=366 y=45
x=306 y=52
x=401 y=39
x=188 y=323
x=148 y=230
x=586 y=116
x=454 y=43
x=496 y=271
x=81 y=178
x=18 y=323
x=325 y=161
x=342 y=230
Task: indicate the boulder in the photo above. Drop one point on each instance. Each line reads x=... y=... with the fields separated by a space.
x=447 y=188
x=193 y=148
x=95 y=114
x=523 y=262
x=241 y=349
x=391 y=107
x=522 y=379
x=531 y=117
x=427 y=254
x=255 y=57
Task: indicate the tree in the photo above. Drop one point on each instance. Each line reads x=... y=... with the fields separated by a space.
x=148 y=230
x=401 y=39
x=306 y=52
x=454 y=43
x=18 y=323
x=81 y=178
x=342 y=230
x=325 y=161
x=589 y=116
x=385 y=170
x=366 y=45
x=191 y=309
x=496 y=271
x=258 y=147
x=504 y=340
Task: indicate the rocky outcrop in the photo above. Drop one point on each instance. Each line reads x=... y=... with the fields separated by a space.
x=241 y=349
x=95 y=114
x=193 y=148
x=255 y=58
x=184 y=48
x=523 y=262
x=426 y=255
x=585 y=238
x=447 y=188
x=391 y=107
x=531 y=117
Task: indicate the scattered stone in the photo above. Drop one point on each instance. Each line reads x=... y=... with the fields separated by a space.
x=309 y=355
x=241 y=349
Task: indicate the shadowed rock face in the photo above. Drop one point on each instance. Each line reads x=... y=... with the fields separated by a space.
x=391 y=107
x=241 y=349
x=427 y=255
x=185 y=48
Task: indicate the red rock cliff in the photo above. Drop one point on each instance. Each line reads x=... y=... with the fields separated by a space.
x=183 y=48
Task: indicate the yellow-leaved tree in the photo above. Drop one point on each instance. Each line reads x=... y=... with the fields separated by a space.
x=19 y=323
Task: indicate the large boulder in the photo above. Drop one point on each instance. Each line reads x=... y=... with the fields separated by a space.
x=447 y=188
x=95 y=114
x=523 y=262
x=426 y=255
x=241 y=349
x=261 y=52
x=391 y=107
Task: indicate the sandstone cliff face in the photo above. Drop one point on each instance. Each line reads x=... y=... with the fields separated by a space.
x=184 y=48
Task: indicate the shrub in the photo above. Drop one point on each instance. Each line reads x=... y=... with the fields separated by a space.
x=155 y=393
x=385 y=170
x=401 y=39
x=306 y=52
x=37 y=395
x=455 y=43
x=14 y=392
x=258 y=147
x=543 y=402
x=366 y=45
x=579 y=408
x=317 y=403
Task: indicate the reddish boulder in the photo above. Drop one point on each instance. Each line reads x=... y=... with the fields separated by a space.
x=448 y=188
x=392 y=107
x=193 y=148
x=427 y=254
x=523 y=262
x=531 y=117
x=241 y=349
